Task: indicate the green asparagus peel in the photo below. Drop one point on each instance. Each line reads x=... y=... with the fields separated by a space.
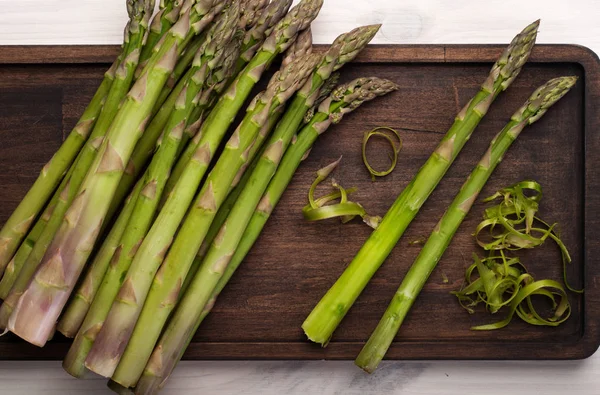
x=22 y=218
x=33 y=318
x=282 y=36
x=318 y=209
x=139 y=12
x=331 y=309
x=343 y=50
x=151 y=253
x=381 y=132
x=168 y=281
x=213 y=64
x=195 y=303
x=512 y=224
x=535 y=107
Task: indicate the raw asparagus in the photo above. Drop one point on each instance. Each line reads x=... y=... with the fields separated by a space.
x=329 y=312
x=343 y=50
x=185 y=319
x=168 y=12
x=537 y=105
x=213 y=64
x=168 y=280
x=283 y=33
x=139 y=13
x=154 y=248
x=33 y=319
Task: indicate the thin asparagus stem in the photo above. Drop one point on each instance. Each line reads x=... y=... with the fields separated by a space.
x=533 y=109
x=191 y=308
x=329 y=312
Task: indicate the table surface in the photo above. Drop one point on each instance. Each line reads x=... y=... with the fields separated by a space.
x=26 y=22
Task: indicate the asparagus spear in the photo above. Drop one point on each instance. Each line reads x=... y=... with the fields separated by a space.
x=139 y=13
x=533 y=109
x=343 y=50
x=212 y=66
x=169 y=278
x=168 y=12
x=19 y=223
x=186 y=317
x=281 y=31
x=329 y=312
x=34 y=318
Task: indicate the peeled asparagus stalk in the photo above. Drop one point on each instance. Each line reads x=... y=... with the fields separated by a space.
x=535 y=107
x=186 y=317
x=34 y=318
x=329 y=312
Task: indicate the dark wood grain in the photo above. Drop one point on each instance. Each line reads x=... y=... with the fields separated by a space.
x=258 y=316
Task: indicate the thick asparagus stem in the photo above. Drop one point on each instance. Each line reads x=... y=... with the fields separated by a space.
x=343 y=50
x=190 y=309
x=72 y=317
x=139 y=12
x=167 y=283
x=213 y=64
x=281 y=36
x=537 y=105
x=20 y=221
x=33 y=318
x=329 y=312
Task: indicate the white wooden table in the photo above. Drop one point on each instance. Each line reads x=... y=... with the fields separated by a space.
x=404 y=21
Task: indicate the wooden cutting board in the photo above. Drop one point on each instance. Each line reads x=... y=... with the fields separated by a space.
x=43 y=90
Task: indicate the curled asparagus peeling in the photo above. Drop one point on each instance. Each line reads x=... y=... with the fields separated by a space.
x=533 y=109
x=139 y=12
x=331 y=309
x=381 y=132
x=200 y=296
x=168 y=281
x=33 y=318
x=319 y=209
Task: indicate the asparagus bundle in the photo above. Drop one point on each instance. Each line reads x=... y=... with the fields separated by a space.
x=343 y=50
x=533 y=109
x=34 y=318
x=156 y=243
x=17 y=281
x=281 y=37
x=331 y=309
x=211 y=67
x=185 y=319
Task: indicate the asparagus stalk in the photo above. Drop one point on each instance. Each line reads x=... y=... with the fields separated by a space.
x=19 y=223
x=213 y=65
x=255 y=36
x=191 y=308
x=139 y=12
x=33 y=318
x=343 y=50
x=168 y=281
x=533 y=109
x=71 y=319
x=282 y=33
x=168 y=12
x=329 y=312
